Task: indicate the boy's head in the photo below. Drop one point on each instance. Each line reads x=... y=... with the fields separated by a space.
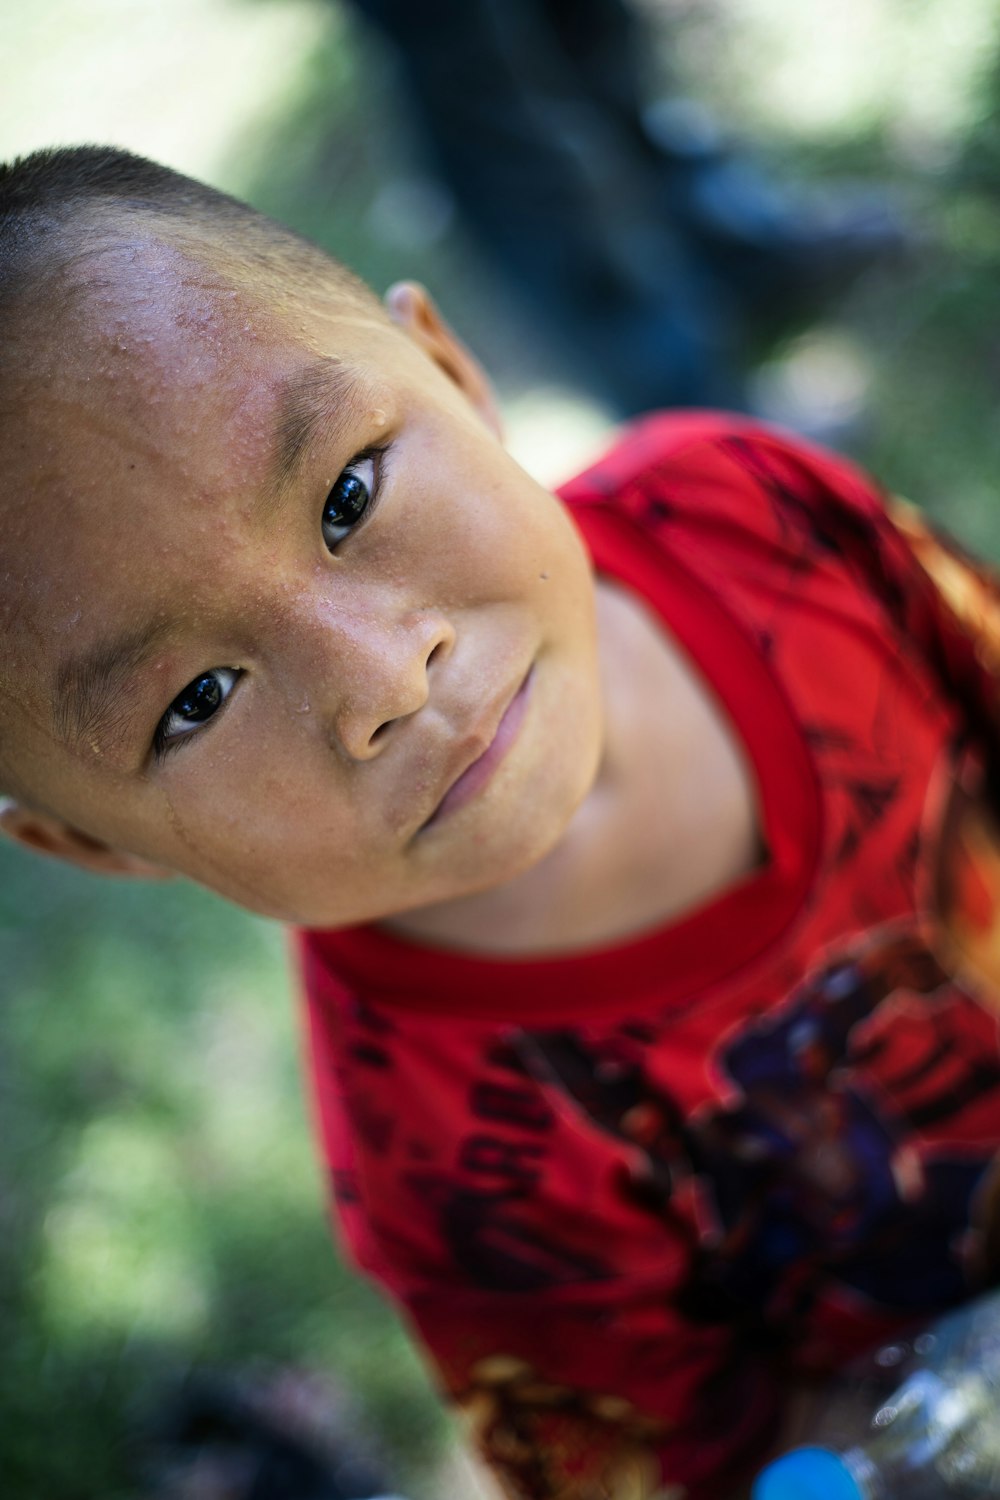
x=270 y=582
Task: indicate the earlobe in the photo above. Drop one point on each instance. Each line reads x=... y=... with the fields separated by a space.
x=412 y=308
x=45 y=834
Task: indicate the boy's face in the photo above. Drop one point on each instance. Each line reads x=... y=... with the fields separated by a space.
x=277 y=586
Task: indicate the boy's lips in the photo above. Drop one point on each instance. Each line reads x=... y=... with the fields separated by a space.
x=477 y=772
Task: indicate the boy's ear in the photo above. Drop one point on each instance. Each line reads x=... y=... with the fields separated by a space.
x=46 y=834
x=411 y=306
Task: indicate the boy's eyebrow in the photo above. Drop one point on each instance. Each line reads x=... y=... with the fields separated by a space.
x=88 y=702
x=322 y=393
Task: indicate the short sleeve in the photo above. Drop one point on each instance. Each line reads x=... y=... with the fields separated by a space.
x=944 y=603
x=820 y=511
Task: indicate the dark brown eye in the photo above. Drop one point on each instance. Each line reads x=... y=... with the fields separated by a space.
x=199 y=701
x=348 y=500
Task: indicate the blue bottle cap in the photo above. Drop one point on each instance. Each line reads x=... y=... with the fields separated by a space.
x=807 y=1474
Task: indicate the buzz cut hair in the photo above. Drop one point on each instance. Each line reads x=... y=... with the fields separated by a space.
x=54 y=201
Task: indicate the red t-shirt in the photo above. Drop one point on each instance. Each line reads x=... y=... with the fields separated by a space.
x=622 y=1194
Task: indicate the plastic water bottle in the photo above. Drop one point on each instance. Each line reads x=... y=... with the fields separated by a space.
x=934 y=1429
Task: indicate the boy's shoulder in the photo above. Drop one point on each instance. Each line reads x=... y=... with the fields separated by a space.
x=737 y=494
x=715 y=460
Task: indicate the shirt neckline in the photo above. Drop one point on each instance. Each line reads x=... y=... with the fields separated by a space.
x=680 y=959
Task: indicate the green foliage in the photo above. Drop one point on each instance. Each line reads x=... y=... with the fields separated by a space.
x=161 y=1204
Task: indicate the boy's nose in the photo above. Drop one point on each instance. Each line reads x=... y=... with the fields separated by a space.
x=379 y=674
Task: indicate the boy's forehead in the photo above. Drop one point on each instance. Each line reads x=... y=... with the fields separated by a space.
x=172 y=360
x=165 y=374
x=153 y=320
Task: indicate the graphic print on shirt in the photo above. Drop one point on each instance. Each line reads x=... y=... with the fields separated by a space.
x=498 y=1167
x=540 y=1435
x=840 y=1149
x=826 y=1158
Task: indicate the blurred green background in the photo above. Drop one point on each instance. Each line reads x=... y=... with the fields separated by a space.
x=161 y=1210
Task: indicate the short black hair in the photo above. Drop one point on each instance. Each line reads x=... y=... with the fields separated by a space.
x=46 y=186
x=44 y=196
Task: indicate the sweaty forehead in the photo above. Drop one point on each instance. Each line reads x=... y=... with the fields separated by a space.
x=160 y=358
x=160 y=377
x=155 y=327
x=132 y=343
x=167 y=314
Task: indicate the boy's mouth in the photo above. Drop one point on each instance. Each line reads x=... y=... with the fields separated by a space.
x=471 y=780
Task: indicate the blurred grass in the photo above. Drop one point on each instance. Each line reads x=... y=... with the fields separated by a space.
x=159 y=1203
x=160 y=1206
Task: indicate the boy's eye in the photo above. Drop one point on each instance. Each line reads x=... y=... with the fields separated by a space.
x=349 y=499
x=193 y=707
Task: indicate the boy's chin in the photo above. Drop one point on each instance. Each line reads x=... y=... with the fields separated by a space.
x=492 y=883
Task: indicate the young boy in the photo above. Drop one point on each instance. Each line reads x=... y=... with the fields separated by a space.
x=646 y=922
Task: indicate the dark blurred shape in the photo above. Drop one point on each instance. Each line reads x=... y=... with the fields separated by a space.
x=655 y=254
x=218 y=1440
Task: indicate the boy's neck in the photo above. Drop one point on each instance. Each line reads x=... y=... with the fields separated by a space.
x=670 y=822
